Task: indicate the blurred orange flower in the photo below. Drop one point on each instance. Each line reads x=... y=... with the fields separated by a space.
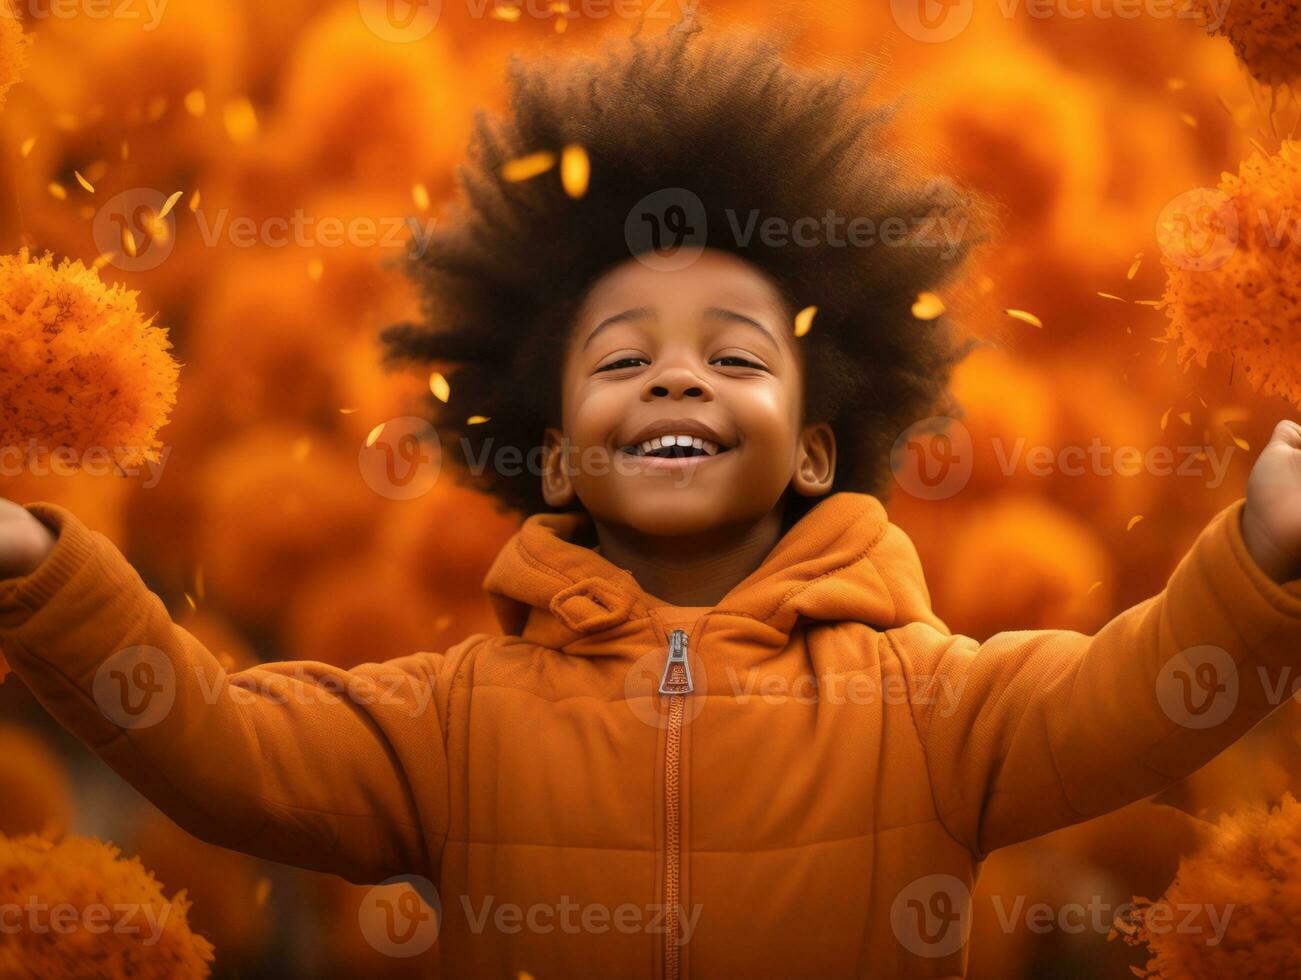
x=1245 y=876
x=1266 y=35
x=1051 y=570
x=222 y=886
x=93 y=878
x=33 y=785
x=1233 y=265
x=275 y=504
x=13 y=47
x=373 y=610
x=360 y=110
x=83 y=370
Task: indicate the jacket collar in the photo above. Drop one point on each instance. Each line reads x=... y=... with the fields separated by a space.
x=843 y=561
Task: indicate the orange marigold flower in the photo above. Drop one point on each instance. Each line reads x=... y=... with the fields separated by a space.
x=91 y=878
x=13 y=47
x=33 y=785
x=84 y=372
x=1265 y=34
x=1232 y=909
x=1233 y=265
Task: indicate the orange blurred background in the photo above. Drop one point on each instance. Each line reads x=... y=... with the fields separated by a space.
x=283 y=123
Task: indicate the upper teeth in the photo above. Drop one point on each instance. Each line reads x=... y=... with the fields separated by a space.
x=661 y=442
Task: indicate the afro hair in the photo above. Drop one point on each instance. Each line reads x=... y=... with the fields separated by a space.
x=718 y=127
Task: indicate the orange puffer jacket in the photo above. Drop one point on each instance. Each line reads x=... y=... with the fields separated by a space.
x=798 y=782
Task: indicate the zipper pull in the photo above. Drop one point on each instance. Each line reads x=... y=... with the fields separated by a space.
x=677 y=671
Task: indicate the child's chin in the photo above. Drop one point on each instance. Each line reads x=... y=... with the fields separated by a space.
x=673 y=511
x=669 y=512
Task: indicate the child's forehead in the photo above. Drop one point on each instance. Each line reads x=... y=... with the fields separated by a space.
x=714 y=279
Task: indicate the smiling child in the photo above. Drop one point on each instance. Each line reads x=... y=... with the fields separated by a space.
x=723 y=733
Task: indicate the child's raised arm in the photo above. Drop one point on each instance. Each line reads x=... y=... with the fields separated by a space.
x=343 y=771
x=1040 y=729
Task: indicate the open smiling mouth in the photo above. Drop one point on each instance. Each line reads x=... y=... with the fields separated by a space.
x=675 y=447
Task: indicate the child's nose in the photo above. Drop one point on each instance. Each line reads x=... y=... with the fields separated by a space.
x=676 y=383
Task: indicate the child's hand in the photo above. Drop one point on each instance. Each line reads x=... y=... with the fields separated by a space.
x=1271 y=520
x=24 y=541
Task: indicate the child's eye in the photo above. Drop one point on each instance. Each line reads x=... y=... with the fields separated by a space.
x=623 y=362
x=732 y=360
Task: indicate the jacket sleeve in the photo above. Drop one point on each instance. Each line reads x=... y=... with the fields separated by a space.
x=1036 y=730
x=343 y=771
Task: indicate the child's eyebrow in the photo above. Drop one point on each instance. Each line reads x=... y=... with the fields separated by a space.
x=717 y=312
x=636 y=313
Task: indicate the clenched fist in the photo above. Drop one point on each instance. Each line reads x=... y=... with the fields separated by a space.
x=1271 y=520
x=24 y=541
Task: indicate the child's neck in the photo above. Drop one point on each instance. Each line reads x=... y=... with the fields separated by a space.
x=694 y=570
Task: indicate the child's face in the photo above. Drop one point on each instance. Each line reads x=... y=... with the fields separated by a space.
x=708 y=352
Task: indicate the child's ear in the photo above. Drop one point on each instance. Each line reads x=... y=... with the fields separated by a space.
x=815 y=461
x=557 y=487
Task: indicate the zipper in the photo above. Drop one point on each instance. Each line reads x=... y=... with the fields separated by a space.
x=676 y=683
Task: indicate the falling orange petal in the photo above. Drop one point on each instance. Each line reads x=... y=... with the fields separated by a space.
x=171 y=203
x=1025 y=317
x=527 y=167
x=804 y=320
x=928 y=306
x=575 y=170
x=439 y=386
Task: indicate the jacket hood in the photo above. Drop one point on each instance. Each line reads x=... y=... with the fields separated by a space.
x=842 y=562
